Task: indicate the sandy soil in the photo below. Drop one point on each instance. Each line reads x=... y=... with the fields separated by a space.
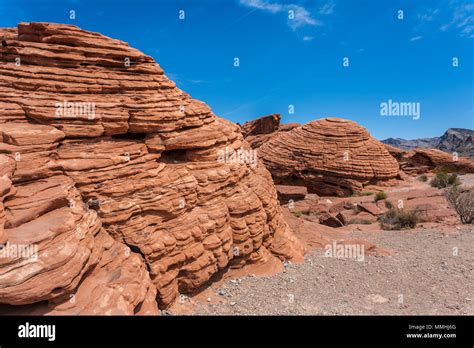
x=429 y=273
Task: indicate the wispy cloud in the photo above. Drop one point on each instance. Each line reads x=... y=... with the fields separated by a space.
x=416 y=38
x=462 y=19
x=248 y=105
x=298 y=16
x=429 y=15
x=263 y=5
x=308 y=38
x=456 y=16
x=301 y=18
x=182 y=81
x=327 y=8
x=196 y=82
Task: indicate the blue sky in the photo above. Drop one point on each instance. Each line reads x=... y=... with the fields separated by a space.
x=297 y=61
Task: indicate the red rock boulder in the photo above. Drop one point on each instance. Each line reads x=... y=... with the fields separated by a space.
x=329 y=156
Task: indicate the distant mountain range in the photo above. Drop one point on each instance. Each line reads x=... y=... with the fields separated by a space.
x=458 y=140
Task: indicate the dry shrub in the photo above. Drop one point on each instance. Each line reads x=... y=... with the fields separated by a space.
x=462 y=203
x=443 y=179
x=397 y=219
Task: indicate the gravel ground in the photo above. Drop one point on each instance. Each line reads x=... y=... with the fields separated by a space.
x=423 y=276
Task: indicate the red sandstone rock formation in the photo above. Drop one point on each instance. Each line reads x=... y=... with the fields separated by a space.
x=116 y=176
x=432 y=158
x=328 y=156
x=262 y=129
x=421 y=161
x=263 y=125
x=288 y=193
x=396 y=152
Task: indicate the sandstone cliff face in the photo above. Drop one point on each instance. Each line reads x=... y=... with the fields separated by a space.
x=329 y=156
x=126 y=185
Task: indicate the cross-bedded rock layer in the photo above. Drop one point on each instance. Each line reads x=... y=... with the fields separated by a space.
x=118 y=179
x=328 y=156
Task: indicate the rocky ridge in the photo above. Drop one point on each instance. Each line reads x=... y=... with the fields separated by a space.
x=459 y=140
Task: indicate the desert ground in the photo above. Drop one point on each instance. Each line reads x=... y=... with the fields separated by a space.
x=426 y=270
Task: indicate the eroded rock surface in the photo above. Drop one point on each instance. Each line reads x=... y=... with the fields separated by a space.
x=259 y=131
x=432 y=158
x=121 y=180
x=420 y=161
x=329 y=156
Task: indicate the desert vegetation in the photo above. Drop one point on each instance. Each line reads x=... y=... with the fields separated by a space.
x=462 y=202
x=443 y=178
x=399 y=218
x=423 y=178
x=380 y=195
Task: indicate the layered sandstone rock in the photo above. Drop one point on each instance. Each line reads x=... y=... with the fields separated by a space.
x=263 y=125
x=288 y=193
x=432 y=158
x=128 y=187
x=329 y=156
x=399 y=154
x=421 y=161
x=259 y=131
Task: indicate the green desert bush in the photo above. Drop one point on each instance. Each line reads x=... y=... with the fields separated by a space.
x=298 y=213
x=423 y=178
x=361 y=193
x=388 y=205
x=359 y=221
x=462 y=203
x=397 y=219
x=453 y=180
x=443 y=179
x=379 y=196
x=440 y=180
x=444 y=168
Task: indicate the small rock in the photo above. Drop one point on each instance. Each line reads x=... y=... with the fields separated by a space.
x=376 y=298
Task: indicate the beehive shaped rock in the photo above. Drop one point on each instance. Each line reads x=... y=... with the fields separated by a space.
x=127 y=186
x=329 y=156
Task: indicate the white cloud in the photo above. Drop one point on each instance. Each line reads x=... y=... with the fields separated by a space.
x=302 y=17
x=462 y=19
x=416 y=38
x=308 y=38
x=263 y=5
x=298 y=16
x=327 y=8
x=429 y=15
